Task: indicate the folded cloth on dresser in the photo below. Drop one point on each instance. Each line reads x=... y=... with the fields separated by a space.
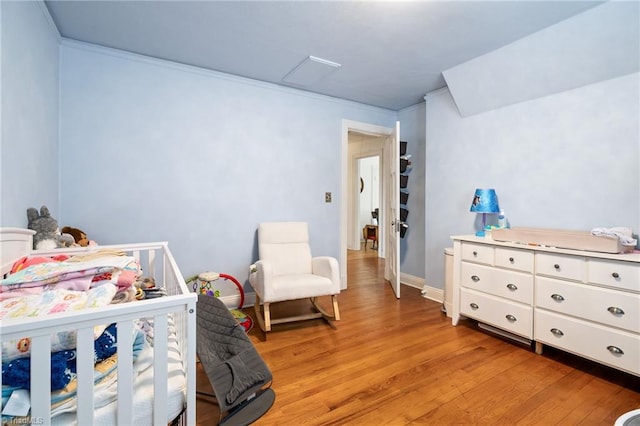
x=624 y=234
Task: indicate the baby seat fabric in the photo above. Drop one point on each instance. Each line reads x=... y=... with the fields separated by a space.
x=238 y=375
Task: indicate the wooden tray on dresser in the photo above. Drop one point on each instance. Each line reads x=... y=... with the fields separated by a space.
x=575 y=240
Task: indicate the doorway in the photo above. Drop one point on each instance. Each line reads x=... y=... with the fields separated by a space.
x=368 y=205
x=369 y=199
x=359 y=140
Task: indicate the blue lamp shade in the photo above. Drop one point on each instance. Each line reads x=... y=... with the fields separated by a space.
x=485 y=201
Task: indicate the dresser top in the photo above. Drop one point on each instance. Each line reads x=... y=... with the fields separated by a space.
x=628 y=257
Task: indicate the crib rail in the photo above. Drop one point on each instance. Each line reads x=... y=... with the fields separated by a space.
x=179 y=306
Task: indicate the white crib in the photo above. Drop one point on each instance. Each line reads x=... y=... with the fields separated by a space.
x=178 y=309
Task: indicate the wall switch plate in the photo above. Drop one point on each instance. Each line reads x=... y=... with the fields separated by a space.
x=327 y=197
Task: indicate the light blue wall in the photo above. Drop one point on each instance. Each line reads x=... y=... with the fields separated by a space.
x=412 y=130
x=153 y=150
x=565 y=161
x=29 y=88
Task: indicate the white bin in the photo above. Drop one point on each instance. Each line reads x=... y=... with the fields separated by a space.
x=448 y=281
x=632 y=418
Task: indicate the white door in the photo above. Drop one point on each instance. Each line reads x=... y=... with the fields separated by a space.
x=392 y=210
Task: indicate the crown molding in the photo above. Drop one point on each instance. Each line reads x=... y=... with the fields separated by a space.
x=49 y=19
x=122 y=54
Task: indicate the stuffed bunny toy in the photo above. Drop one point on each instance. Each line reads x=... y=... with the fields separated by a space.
x=47 y=234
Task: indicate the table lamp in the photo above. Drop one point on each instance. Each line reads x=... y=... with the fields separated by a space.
x=484 y=201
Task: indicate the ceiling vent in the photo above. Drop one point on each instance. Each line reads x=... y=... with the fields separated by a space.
x=310 y=71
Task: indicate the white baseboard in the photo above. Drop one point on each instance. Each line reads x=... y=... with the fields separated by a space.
x=411 y=280
x=428 y=292
x=234 y=301
x=432 y=293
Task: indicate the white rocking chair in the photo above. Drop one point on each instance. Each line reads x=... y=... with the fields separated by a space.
x=287 y=271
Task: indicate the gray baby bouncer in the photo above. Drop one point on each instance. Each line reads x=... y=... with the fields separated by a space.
x=237 y=373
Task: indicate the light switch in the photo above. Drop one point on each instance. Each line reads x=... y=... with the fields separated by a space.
x=327 y=197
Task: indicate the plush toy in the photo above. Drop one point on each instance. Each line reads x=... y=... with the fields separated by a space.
x=47 y=234
x=79 y=236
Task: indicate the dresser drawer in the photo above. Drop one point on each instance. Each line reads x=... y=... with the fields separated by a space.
x=561 y=266
x=607 y=345
x=512 y=285
x=520 y=260
x=510 y=316
x=479 y=253
x=625 y=275
x=609 y=307
x=476 y=276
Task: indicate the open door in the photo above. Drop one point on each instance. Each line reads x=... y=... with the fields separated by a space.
x=392 y=209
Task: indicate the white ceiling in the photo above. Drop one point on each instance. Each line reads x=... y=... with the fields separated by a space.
x=391 y=52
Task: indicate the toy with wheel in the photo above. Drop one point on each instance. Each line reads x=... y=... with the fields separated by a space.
x=222 y=286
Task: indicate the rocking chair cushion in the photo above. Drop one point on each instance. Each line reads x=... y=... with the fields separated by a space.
x=290 y=287
x=287 y=259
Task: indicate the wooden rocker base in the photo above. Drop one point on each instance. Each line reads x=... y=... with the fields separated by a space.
x=263 y=315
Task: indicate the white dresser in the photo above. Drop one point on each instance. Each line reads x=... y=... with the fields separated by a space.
x=586 y=303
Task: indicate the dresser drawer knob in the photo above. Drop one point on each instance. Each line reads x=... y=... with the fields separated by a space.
x=510 y=318
x=475 y=253
x=557 y=297
x=556 y=332
x=615 y=310
x=473 y=306
x=511 y=259
x=615 y=350
x=475 y=278
x=557 y=267
x=512 y=287
x=615 y=275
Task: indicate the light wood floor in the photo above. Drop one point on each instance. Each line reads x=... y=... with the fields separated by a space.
x=400 y=362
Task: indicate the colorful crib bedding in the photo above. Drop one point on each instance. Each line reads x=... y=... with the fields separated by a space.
x=78 y=273
x=49 y=303
x=106 y=391
x=48 y=288
x=78 y=283
x=64 y=398
x=16 y=372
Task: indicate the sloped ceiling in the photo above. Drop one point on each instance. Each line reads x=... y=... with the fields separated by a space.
x=391 y=53
x=599 y=44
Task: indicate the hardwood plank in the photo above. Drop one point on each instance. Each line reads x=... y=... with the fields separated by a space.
x=400 y=362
